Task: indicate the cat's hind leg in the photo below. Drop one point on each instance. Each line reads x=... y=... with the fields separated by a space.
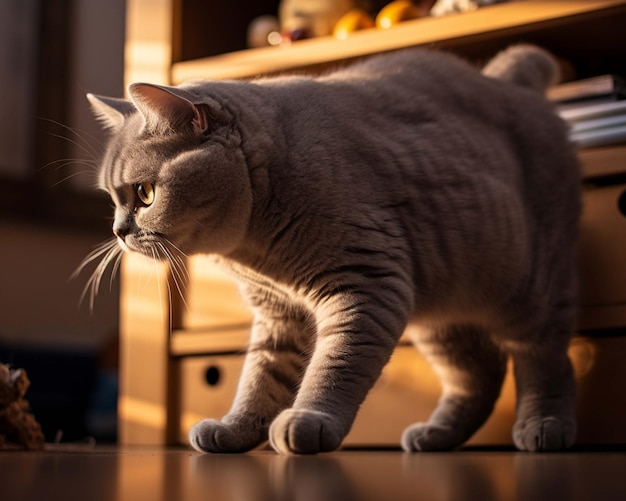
x=545 y=401
x=471 y=368
x=545 y=392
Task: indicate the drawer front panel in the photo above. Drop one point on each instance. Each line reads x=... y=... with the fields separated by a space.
x=602 y=257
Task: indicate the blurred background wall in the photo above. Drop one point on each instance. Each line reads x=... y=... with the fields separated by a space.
x=51 y=53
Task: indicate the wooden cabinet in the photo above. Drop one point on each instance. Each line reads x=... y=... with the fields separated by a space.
x=181 y=356
x=602 y=255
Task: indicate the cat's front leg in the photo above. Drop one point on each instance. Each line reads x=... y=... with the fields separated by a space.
x=355 y=340
x=272 y=371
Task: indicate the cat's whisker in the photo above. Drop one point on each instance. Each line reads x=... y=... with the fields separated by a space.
x=90 y=162
x=170 y=308
x=180 y=259
x=116 y=267
x=182 y=279
x=181 y=268
x=179 y=274
x=155 y=257
x=70 y=176
x=107 y=252
x=177 y=249
x=64 y=162
x=108 y=258
x=99 y=273
x=100 y=250
x=87 y=147
x=90 y=152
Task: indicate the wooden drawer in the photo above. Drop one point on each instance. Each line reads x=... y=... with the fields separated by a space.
x=408 y=390
x=601 y=403
x=602 y=257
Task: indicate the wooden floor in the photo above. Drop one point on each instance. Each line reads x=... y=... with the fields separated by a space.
x=149 y=474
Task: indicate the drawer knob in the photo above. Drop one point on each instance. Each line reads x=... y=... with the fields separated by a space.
x=212 y=376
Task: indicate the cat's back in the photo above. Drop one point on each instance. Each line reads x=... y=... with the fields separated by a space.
x=407 y=87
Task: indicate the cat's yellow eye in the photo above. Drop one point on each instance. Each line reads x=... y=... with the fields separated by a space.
x=145 y=193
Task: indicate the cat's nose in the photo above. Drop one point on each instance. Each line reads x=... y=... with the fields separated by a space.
x=119 y=234
x=121 y=230
x=122 y=223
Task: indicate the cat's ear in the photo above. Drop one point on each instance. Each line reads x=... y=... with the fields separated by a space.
x=166 y=108
x=110 y=111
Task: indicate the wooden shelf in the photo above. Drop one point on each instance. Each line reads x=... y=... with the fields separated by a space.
x=495 y=22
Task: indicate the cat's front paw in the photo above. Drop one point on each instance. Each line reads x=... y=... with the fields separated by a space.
x=544 y=433
x=298 y=431
x=422 y=437
x=210 y=435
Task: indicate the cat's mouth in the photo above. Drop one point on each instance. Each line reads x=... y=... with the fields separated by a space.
x=136 y=241
x=152 y=244
x=128 y=245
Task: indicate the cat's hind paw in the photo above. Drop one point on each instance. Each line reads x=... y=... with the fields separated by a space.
x=544 y=433
x=210 y=435
x=298 y=431
x=422 y=437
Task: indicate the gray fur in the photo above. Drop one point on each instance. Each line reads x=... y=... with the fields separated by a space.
x=525 y=66
x=405 y=188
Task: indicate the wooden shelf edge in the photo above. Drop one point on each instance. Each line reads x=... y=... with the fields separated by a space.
x=209 y=341
x=602 y=162
x=482 y=23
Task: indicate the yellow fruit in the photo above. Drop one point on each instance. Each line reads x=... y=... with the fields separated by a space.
x=396 y=12
x=353 y=20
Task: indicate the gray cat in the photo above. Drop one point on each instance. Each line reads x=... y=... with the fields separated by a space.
x=405 y=188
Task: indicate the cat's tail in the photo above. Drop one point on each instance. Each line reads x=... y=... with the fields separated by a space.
x=525 y=65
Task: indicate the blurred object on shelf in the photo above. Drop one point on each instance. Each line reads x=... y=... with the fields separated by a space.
x=300 y=19
x=263 y=31
x=353 y=20
x=445 y=7
x=304 y=19
x=396 y=12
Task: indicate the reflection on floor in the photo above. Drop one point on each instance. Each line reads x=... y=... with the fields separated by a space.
x=147 y=474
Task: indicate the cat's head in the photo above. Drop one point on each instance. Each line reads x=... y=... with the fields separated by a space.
x=174 y=170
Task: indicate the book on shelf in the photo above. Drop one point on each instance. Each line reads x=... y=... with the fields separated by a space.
x=593 y=111
x=603 y=87
x=598 y=123
x=599 y=137
x=594 y=108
